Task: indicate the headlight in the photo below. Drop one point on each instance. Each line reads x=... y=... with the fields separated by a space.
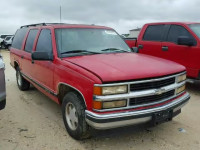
x=181 y=78
x=180 y=89
x=109 y=104
x=110 y=90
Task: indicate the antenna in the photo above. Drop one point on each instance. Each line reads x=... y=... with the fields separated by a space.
x=60 y=14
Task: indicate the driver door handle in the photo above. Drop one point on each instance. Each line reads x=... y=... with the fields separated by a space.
x=165 y=48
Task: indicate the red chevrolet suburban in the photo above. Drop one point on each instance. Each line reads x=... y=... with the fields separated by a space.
x=92 y=73
x=175 y=41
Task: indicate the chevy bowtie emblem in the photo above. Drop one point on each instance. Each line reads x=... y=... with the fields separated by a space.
x=159 y=91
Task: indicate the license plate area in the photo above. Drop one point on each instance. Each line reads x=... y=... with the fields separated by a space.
x=161 y=117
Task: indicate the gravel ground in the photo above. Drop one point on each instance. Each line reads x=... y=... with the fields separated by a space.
x=31 y=121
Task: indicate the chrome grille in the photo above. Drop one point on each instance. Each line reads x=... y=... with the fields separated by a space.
x=151 y=85
x=150 y=99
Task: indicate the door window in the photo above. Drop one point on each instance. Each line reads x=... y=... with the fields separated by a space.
x=177 y=31
x=30 y=40
x=154 y=33
x=44 y=43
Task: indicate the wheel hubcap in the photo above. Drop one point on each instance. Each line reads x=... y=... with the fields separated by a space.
x=71 y=116
x=19 y=78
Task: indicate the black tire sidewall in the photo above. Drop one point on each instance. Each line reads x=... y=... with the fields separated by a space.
x=82 y=130
x=24 y=83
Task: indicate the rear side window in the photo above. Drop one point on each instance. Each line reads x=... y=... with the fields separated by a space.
x=176 y=31
x=153 y=33
x=44 y=43
x=19 y=38
x=30 y=40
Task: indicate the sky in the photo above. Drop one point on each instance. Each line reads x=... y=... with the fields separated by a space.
x=122 y=15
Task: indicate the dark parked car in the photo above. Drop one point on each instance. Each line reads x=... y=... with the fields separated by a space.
x=2 y=85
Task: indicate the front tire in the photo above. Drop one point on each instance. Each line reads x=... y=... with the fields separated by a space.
x=73 y=112
x=22 y=83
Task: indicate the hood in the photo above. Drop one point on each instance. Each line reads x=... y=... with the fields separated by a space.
x=125 y=66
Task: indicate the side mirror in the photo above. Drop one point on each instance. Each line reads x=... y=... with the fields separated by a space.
x=41 y=56
x=185 y=40
x=135 y=49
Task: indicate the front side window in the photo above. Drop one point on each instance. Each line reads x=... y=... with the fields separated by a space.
x=44 y=43
x=154 y=33
x=82 y=41
x=30 y=40
x=175 y=32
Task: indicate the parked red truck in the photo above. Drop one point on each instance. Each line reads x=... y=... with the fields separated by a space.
x=93 y=74
x=176 y=41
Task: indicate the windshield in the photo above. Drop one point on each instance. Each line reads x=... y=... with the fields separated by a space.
x=3 y=36
x=72 y=42
x=8 y=38
x=195 y=28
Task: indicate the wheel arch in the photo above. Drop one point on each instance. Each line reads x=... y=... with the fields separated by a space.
x=64 y=88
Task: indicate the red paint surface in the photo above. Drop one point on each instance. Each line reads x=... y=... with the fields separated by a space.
x=188 y=56
x=82 y=72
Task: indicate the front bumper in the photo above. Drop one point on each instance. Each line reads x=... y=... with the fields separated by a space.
x=107 y=121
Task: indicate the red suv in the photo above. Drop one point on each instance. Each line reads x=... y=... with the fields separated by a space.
x=93 y=74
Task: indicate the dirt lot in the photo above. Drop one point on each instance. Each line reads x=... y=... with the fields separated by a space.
x=31 y=121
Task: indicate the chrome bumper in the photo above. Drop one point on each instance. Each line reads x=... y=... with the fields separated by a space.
x=106 y=121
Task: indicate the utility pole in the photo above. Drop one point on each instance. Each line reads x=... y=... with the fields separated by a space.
x=60 y=14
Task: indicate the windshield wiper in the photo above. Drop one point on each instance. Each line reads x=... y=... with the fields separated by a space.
x=114 y=49
x=80 y=51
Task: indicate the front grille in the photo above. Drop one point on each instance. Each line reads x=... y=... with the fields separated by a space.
x=151 y=85
x=151 y=99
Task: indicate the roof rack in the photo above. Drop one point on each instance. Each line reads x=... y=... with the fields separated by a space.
x=33 y=25
x=46 y=24
x=40 y=24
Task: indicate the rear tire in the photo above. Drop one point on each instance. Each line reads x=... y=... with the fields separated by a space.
x=73 y=112
x=22 y=83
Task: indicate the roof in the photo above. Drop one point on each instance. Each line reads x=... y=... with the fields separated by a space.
x=65 y=25
x=186 y=23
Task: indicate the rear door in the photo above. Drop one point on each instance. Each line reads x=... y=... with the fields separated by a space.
x=150 y=43
x=26 y=55
x=180 y=53
x=44 y=70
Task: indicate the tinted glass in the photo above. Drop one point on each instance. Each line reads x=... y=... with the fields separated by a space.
x=153 y=33
x=19 y=38
x=44 y=43
x=176 y=31
x=94 y=40
x=30 y=40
